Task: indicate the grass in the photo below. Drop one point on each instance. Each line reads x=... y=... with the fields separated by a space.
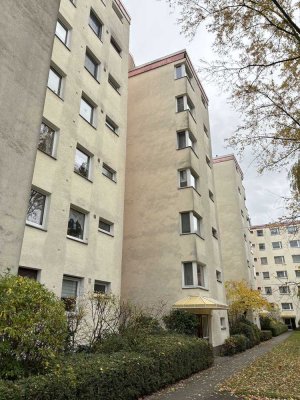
x=272 y=376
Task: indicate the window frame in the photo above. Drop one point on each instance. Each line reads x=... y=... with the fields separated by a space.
x=61 y=21
x=190 y=175
x=279 y=245
x=103 y=283
x=268 y=292
x=106 y=167
x=266 y=275
x=91 y=104
x=285 y=275
x=114 y=84
x=109 y=223
x=294 y=256
x=282 y=258
x=261 y=248
x=85 y=224
x=195 y=265
x=90 y=158
x=79 y=282
x=94 y=17
x=58 y=73
x=46 y=206
x=189 y=138
x=274 y=231
x=297 y=242
x=289 y=308
x=263 y=263
x=260 y=232
x=55 y=130
x=192 y=217
x=110 y=123
x=114 y=43
x=117 y=11
x=188 y=105
x=287 y=292
x=91 y=56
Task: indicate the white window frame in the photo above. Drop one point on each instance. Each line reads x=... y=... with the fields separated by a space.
x=258 y=234
x=289 y=308
x=190 y=140
x=110 y=123
x=55 y=139
x=264 y=247
x=195 y=276
x=185 y=72
x=104 y=283
x=107 y=222
x=43 y=226
x=96 y=17
x=85 y=224
x=62 y=22
x=106 y=167
x=292 y=229
x=188 y=105
x=281 y=258
x=268 y=292
x=264 y=263
x=266 y=275
x=279 y=245
x=285 y=275
x=297 y=244
x=90 y=162
x=114 y=84
x=293 y=258
x=274 y=231
x=78 y=289
x=91 y=104
x=223 y=323
x=284 y=287
x=192 y=217
x=191 y=175
x=56 y=71
x=297 y=273
x=89 y=54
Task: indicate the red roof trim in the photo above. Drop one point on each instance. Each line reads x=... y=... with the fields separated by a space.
x=229 y=157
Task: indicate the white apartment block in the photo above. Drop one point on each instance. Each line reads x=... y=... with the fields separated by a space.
x=277 y=258
x=74 y=229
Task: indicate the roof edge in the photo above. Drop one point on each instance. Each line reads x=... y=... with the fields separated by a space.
x=125 y=12
x=228 y=157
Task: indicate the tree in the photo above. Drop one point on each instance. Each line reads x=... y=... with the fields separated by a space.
x=257 y=47
x=242 y=300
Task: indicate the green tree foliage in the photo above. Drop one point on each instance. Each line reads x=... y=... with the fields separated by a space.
x=32 y=327
x=182 y=322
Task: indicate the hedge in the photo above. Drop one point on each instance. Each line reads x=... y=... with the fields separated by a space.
x=248 y=329
x=265 y=335
x=161 y=360
x=234 y=344
x=276 y=327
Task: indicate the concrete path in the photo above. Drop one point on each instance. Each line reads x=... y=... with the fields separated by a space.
x=203 y=385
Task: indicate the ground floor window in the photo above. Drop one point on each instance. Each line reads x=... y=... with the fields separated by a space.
x=203 y=329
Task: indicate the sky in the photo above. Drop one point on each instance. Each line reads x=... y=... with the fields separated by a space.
x=156 y=33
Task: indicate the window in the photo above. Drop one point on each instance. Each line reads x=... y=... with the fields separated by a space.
x=276 y=245
x=281 y=274
x=239 y=190
x=106 y=226
x=70 y=292
x=115 y=45
x=113 y=83
x=274 y=231
x=260 y=232
x=109 y=172
x=208 y=162
x=46 y=139
x=219 y=276
x=255 y=259
x=28 y=273
x=91 y=64
x=205 y=130
x=190 y=223
x=95 y=24
x=294 y=243
x=180 y=104
x=55 y=81
x=264 y=260
x=242 y=213
x=62 y=32
x=284 y=289
x=36 y=208
x=223 y=323
x=297 y=273
x=257 y=273
x=204 y=102
x=268 y=290
x=101 y=287
x=184 y=103
x=185 y=139
x=296 y=258
x=193 y=274
x=188 y=178
x=262 y=246
x=287 y=306
x=279 y=260
x=111 y=124
x=82 y=163
x=117 y=11
x=87 y=110
x=211 y=195
x=76 y=224
x=266 y=275
x=292 y=229
x=214 y=233
x=182 y=71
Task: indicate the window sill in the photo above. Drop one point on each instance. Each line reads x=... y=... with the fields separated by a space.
x=112 y=180
x=88 y=122
x=195 y=287
x=188 y=147
x=192 y=233
x=116 y=90
x=57 y=95
x=219 y=281
x=116 y=133
x=47 y=154
x=216 y=237
x=82 y=176
x=92 y=75
x=190 y=187
x=39 y=227
x=106 y=233
x=66 y=46
x=224 y=328
x=77 y=240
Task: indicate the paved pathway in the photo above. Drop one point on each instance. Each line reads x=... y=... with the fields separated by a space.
x=203 y=386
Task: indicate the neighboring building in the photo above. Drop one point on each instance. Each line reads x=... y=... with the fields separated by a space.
x=277 y=259
x=74 y=229
x=234 y=221
x=26 y=39
x=171 y=248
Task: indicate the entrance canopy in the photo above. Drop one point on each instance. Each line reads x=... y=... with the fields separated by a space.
x=199 y=303
x=288 y=314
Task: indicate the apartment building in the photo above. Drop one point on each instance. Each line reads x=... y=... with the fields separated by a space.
x=24 y=66
x=234 y=221
x=74 y=228
x=277 y=259
x=171 y=251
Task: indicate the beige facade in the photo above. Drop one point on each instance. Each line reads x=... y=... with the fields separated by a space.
x=24 y=66
x=74 y=230
x=234 y=221
x=277 y=259
x=171 y=249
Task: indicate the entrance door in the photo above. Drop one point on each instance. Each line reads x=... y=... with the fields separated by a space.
x=203 y=329
x=290 y=322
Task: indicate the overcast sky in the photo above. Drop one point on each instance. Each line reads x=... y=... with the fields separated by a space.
x=154 y=34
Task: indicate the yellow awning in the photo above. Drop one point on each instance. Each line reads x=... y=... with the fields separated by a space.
x=288 y=314
x=200 y=302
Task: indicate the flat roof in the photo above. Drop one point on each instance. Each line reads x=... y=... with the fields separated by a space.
x=276 y=224
x=229 y=157
x=169 y=59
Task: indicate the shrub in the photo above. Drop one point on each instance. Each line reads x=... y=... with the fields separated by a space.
x=32 y=327
x=265 y=335
x=233 y=345
x=275 y=326
x=182 y=322
x=122 y=376
x=248 y=329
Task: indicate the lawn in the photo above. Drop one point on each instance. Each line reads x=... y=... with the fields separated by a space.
x=272 y=376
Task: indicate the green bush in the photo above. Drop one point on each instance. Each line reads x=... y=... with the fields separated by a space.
x=247 y=328
x=32 y=327
x=119 y=376
x=265 y=335
x=182 y=322
x=234 y=344
x=273 y=325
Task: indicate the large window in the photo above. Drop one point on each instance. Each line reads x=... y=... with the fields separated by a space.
x=95 y=24
x=55 y=81
x=264 y=260
x=287 y=306
x=294 y=243
x=185 y=139
x=297 y=273
x=76 y=224
x=292 y=229
x=190 y=223
x=274 y=231
x=281 y=274
x=184 y=103
x=82 y=163
x=28 y=273
x=193 y=274
x=276 y=245
x=87 y=110
x=296 y=258
x=284 y=289
x=91 y=64
x=47 y=139
x=279 y=260
x=62 y=32
x=36 y=208
x=188 y=178
x=70 y=291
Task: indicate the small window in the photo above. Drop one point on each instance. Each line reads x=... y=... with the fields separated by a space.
x=28 y=273
x=188 y=178
x=257 y=273
x=117 y=11
x=284 y=289
x=185 y=139
x=242 y=213
x=76 y=224
x=182 y=71
x=115 y=45
x=279 y=260
x=91 y=64
x=214 y=233
x=281 y=274
x=111 y=124
x=62 y=32
x=292 y=229
x=106 y=226
x=36 y=208
x=82 y=163
x=204 y=102
x=208 y=161
x=55 y=81
x=190 y=223
x=297 y=273
x=264 y=260
x=184 y=103
x=205 y=130
x=101 y=287
x=239 y=189
x=109 y=172
x=95 y=24
x=211 y=195
x=180 y=104
x=193 y=275
x=47 y=139
x=113 y=83
x=260 y=232
x=268 y=290
x=266 y=275
x=296 y=258
x=294 y=243
x=223 y=323
x=277 y=245
x=255 y=259
x=219 y=276
x=287 y=306
x=70 y=292
x=274 y=231
x=262 y=246
x=87 y=110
